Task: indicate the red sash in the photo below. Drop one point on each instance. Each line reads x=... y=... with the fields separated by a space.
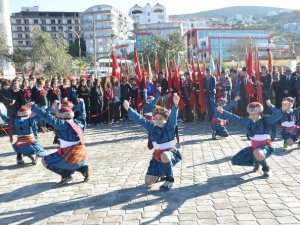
x=292 y=130
x=255 y=144
x=74 y=154
x=218 y=121
x=23 y=141
x=157 y=153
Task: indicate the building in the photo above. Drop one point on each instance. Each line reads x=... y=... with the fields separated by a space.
x=291 y=27
x=163 y=29
x=148 y=14
x=202 y=42
x=6 y=67
x=101 y=25
x=57 y=23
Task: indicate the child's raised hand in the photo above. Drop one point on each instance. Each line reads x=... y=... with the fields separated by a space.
x=176 y=99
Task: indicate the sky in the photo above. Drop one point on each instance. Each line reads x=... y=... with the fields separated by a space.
x=173 y=6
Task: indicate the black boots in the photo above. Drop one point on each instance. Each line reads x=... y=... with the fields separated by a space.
x=169 y=181
x=86 y=172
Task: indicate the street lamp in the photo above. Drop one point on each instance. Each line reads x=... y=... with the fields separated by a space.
x=78 y=42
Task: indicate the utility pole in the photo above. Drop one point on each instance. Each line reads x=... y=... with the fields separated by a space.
x=95 y=47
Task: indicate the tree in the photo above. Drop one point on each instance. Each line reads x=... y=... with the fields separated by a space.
x=52 y=53
x=18 y=57
x=74 y=48
x=166 y=48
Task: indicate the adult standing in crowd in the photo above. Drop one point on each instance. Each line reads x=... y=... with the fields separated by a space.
x=210 y=93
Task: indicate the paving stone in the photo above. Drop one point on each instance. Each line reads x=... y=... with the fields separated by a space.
x=207 y=188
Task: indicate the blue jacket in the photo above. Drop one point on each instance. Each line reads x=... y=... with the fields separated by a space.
x=149 y=107
x=292 y=116
x=210 y=85
x=63 y=129
x=227 y=107
x=261 y=126
x=22 y=126
x=158 y=134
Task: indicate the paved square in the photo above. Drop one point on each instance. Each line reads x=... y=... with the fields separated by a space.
x=207 y=190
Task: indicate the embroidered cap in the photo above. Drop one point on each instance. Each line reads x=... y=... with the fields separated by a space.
x=66 y=103
x=255 y=108
x=65 y=113
x=23 y=111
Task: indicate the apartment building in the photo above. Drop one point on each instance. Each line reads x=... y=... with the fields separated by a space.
x=57 y=23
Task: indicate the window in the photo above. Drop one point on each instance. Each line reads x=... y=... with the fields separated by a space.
x=59 y=21
x=77 y=28
x=69 y=21
x=19 y=36
x=19 y=28
x=148 y=14
x=52 y=21
x=27 y=36
x=44 y=28
x=70 y=27
x=60 y=29
x=70 y=42
x=27 y=43
x=35 y=21
x=43 y=21
x=70 y=36
x=20 y=43
x=26 y=21
x=76 y=22
x=53 y=29
x=18 y=21
x=27 y=29
x=149 y=20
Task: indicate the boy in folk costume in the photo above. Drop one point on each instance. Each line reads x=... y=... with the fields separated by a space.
x=162 y=135
x=148 y=108
x=71 y=155
x=258 y=131
x=218 y=123
x=24 y=127
x=290 y=131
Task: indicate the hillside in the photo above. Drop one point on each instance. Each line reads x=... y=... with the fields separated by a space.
x=275 y=23
x=231 y=11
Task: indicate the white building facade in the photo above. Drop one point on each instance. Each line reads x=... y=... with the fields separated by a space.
x=56 y=23
x=104 y=25
x=148 y=14
x=6 y=67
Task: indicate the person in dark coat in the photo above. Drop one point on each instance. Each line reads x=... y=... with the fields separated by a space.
x=8 y=98
x=97 y=100
x=84 y=92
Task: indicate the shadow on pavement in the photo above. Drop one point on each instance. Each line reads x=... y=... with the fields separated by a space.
x=214 y=162
x=173 y=198
x=25 y=192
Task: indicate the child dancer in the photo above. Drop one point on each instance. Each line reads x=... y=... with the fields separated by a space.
x=71 y=155
x=162 y=135
x=24 y=127
x=218 y=123
x=290 y=132
x=258 y=130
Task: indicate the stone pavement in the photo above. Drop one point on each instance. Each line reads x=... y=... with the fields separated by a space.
x=207 y=190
